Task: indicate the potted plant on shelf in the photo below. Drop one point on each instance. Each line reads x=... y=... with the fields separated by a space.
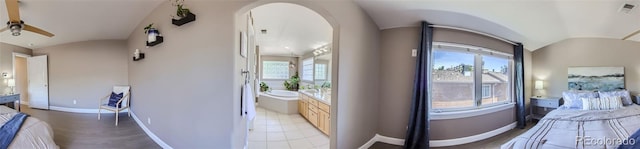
x=183 y=15
x=151 y=32
x=292 y=83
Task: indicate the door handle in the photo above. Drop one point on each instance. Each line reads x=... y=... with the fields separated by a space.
x=45 y=85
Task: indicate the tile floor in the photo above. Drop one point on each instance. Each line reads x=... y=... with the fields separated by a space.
x=273 y=130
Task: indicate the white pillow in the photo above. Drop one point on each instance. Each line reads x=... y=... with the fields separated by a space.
x=624 y=95
x=607 y=103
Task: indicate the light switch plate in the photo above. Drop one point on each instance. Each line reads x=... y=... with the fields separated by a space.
x=414 y=52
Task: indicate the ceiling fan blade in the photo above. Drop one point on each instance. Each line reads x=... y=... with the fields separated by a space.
x=37 y=30
x=3 y=29
x=13 y=10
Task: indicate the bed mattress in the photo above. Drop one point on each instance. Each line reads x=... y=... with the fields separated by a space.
x=34 y=133
x=581 y=129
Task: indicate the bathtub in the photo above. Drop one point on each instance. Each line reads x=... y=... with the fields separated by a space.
x=281 y=101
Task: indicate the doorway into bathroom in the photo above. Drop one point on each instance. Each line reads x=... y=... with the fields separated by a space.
x=294 y=68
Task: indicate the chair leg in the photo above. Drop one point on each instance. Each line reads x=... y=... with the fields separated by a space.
x=129 y=112
x=117 y=117
x=99 y=110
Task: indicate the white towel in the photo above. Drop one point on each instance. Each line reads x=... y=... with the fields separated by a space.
x=249 y=100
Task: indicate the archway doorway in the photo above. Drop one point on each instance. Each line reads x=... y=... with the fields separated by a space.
x=294 y=61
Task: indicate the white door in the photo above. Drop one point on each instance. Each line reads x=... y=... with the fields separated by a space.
x=38 y=82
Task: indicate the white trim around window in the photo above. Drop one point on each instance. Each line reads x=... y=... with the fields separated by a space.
x=487 y=109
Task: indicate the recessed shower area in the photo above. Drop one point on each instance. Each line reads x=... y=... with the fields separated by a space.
x=293 y=77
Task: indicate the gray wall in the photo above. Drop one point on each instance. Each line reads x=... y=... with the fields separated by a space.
x=85 y=71
x=191 y=70
x=6 y=62
x=396 y=79
x=550 y=63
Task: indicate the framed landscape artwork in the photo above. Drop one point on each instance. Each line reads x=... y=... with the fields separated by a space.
x=596 y=78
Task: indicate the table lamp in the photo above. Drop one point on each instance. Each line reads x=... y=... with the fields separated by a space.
x=11 y=83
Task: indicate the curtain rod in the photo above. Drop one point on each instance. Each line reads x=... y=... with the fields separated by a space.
x=473 y=31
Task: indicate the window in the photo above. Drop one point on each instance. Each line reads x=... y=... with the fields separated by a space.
x=467 y=77
x=275 y=70
x=495 y=71
x=307 y=69
x=321 y=72
x=486 y=91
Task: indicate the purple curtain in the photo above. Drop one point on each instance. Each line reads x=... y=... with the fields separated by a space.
x=418 y=132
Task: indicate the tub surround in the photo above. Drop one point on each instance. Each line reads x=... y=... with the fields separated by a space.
x=316 y=108
x=281 y=101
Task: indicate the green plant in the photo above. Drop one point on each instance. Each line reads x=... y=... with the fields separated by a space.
x=326 y=85
x=263 y=87
x=149 y=27
x=180 y=11
x=293 y=83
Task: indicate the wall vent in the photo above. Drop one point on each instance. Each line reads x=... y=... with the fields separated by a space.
x=626 y=8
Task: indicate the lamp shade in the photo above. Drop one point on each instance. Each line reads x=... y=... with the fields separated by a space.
x=539 y=85
x=11 y=82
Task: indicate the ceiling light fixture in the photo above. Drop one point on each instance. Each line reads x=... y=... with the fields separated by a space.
x=322 y=50
x=15 y=28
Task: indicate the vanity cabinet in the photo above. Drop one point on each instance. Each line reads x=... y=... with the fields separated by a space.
x=317 y=113
x=303 y=107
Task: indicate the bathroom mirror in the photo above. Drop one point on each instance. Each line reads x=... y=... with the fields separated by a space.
x=322 y=72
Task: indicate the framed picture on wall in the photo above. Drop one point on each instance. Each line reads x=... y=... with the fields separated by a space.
x=243 y=44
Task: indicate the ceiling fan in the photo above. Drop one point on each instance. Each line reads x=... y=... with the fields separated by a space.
x=15 y=25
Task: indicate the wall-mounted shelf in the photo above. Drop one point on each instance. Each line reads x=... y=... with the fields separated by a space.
x=159 y=40
x=140 y=58
x=189 y=18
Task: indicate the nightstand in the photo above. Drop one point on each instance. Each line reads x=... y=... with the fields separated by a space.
x=540 y=106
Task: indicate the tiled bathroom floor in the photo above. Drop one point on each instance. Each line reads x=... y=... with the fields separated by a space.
x=272 y=130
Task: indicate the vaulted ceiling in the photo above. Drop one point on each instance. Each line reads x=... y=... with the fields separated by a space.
x=76 y=20
x=291 y=29
x=535 y=23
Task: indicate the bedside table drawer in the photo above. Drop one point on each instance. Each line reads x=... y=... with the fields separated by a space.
x=545 y=103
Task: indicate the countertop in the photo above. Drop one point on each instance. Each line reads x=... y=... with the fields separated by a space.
x=319 y=96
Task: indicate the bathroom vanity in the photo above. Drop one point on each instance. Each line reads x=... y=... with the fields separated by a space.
x=316 y=108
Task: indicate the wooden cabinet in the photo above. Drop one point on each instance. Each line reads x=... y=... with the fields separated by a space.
x=317 y=113
x=302 y=106
x=313 y=118
x=324 y=122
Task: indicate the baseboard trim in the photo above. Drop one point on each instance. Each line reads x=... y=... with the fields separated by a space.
x=440 y=143
x=79 y=110
x=383 y=139
x=370 y=143
x=149 y=133
x=390 y=140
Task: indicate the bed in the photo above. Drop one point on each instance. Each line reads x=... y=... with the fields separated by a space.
x=34 y=133
x=571 y=128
